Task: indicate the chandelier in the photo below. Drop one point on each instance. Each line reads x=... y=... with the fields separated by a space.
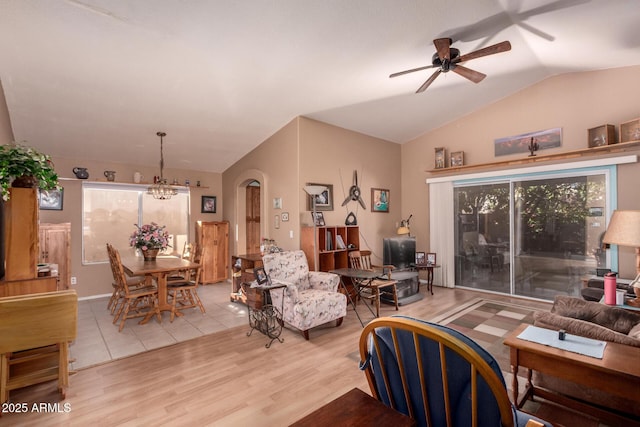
x=161 y=190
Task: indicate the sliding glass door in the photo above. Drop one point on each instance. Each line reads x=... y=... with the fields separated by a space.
x=535 y=237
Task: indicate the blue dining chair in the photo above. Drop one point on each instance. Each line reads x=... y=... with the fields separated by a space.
x=436 y=375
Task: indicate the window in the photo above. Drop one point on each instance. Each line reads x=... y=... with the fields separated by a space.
x=542 y=226
x=111 y=210
x=532 y=237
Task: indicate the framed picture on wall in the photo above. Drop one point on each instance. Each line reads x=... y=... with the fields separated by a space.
x=324 y=200
x=208 y=204
x=51 y=199
x=379 y=200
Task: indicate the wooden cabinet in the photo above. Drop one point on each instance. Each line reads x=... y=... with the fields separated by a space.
x=21 y=246
x=55 y=248
x=21 y=234
x=213 y=250
x=242 y=266
x=333 y=245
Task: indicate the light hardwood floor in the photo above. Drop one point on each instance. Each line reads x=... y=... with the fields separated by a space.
x=226 y=378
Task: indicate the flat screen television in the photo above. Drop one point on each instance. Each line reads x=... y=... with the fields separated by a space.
x=399 y=251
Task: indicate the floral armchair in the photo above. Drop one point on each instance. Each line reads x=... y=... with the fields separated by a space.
x=311 y=298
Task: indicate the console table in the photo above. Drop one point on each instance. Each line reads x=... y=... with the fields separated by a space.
x=618 y=372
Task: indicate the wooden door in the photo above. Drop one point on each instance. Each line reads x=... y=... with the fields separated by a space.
x=221 y=254
x=213 y=241
x=253 y=219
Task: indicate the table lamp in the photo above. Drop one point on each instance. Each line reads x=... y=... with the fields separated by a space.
x=404 y=226
x=313 y=191
x=624 y=230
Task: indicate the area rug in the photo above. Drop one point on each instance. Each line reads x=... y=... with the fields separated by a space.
x=488 y=322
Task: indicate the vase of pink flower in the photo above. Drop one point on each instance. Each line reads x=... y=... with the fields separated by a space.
x=150 y=239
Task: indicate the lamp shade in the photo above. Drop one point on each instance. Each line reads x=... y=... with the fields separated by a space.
x=403 y=230
x=314 y=190
x=623 y=229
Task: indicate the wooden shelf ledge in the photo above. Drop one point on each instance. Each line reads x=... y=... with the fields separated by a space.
x=614 y=148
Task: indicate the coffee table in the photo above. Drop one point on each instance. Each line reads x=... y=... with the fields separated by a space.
x=618 y=373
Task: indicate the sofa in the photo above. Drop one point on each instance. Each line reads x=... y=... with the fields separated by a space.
x=311 y=298
x=592 y=320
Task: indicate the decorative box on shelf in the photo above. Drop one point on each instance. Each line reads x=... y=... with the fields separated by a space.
x=602 y=135
x=630 y=131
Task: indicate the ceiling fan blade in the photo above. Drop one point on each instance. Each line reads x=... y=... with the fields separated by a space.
x=468 y=73
x=443 y=47
x=430 y=80
x=413 y=70
x=489 y=50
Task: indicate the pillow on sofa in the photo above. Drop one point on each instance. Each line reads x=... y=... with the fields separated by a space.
x=635 y=332
x=545 y=319
x=617 y=319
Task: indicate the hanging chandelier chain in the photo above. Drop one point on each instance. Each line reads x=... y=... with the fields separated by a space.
x=161 y=190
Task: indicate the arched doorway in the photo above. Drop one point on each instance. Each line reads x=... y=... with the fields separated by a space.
x=250 y=204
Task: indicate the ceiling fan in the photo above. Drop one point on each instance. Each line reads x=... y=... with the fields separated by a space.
x=448 y=58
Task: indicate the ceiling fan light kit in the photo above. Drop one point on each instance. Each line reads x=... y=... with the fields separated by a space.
x=448 y=58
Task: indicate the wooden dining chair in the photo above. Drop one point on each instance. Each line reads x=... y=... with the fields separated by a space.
x=135 y=299
x=189 y=253
x=184 y=294
x=117 y=297
x=436 y=375
x=384 y=285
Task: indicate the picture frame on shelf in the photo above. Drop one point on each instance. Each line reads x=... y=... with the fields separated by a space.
x=456 y=159
x=549 y=138
x=630 y=131
x=440 y=158
x=209 y=204
x=262 y=278
x=318 y=220
x=51 y=200
x=379 y=200
x=324 y=200
x=431 y=258
x=421 y=258
x=601 y=136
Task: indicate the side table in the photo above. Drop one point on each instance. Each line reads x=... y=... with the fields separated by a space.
x=429 y=268
x=263 y=316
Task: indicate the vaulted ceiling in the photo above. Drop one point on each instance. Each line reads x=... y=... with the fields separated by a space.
x=97 y=79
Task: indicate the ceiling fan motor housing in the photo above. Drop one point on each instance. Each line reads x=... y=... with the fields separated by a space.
x=446 y=65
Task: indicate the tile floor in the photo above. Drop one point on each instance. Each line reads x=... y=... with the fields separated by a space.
x=99 y=341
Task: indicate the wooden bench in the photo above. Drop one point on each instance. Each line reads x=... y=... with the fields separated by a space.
x=35 y=331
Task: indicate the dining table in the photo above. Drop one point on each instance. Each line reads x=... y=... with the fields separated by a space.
x=159 y=269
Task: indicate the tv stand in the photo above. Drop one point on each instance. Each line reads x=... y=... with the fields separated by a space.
x=407 y=287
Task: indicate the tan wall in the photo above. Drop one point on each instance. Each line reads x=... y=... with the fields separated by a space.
x=574 y=102
x=330 y=155
x=96 y=279
x=6 y=132
x=305 y=151
x=274 y=164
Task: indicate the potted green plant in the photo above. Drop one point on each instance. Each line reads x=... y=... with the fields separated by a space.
x=25 y=167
